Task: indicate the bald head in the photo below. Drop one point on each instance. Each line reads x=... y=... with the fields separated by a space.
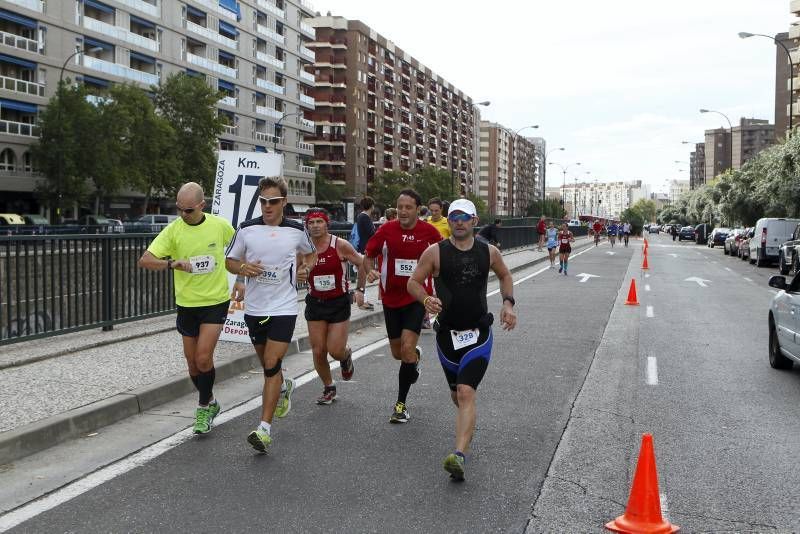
x=190 y=194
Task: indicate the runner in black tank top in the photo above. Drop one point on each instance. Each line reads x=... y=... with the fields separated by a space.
x=460 y=267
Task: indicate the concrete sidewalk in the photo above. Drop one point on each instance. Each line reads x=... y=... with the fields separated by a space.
x=59 y=388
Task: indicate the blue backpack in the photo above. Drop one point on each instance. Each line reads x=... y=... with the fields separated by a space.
x=354 y=237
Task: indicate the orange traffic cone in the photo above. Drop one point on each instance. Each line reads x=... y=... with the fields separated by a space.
x=644 y=262
x=632 y=298
x=646 y=244
x=643 y=513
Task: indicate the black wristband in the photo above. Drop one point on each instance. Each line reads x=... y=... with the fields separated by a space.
x=511 y=300
x=169 y=263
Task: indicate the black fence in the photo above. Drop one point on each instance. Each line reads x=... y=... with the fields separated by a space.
x=56 y=284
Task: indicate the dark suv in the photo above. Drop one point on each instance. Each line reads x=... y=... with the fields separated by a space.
x=701 y=233
x=788 y=259
x=687 y=232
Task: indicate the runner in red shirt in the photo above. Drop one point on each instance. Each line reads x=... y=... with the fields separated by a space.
x=400 y=243
x=541 y=229
x=597 y=227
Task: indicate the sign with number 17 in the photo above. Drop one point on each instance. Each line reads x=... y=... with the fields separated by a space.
x=236 y=199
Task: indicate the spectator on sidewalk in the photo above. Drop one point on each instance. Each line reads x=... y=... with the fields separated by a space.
x=541 y=229
x=363 y=230
x=489 y=234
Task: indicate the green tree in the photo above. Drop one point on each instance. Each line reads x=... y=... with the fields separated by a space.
x=480 y=207
x=189 y=106
x=550 y=207
x=386 y=188
x=432 y=182
x=327 y=192
x=646 y=208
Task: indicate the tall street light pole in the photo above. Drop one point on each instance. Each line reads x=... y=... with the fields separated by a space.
x=729 y=125
x=564 y=172
x=745 y=35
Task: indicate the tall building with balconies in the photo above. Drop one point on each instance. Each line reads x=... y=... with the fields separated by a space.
x=697 y=166
x=749 y=138
x=252 y=51
x=378 y=109
x=717 y=152
x=496 y=170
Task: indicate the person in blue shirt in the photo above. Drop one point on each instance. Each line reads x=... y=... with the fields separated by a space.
x=613 y=229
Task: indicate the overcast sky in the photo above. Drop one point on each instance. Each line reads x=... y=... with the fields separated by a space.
x=618 y=84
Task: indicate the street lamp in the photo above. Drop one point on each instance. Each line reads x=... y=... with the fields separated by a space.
x=745 y=35
x=729 y=125
x=564 y=171
x=278 y=125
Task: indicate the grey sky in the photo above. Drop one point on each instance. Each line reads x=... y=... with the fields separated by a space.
x=617 y=83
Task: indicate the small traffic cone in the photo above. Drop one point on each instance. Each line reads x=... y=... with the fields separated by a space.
x=632 y=298
x=644 y=262
x=643 y=513
x=646 y=244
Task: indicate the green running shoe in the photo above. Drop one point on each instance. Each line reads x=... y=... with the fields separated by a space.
x=285 y=400
x=400 y=414
x=213 y=411
x=202 y=420
x=259 y=439
x=454 y=464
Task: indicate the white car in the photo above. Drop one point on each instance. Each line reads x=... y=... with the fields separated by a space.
x=784 y=323
x=769 y=234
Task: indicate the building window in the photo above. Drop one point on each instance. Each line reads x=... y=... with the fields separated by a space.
x=7 y=160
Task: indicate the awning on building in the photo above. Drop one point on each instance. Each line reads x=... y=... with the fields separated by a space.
x=228 y=29
x=24 y=107
x=143 y=58
x=19 y=19
x=88 y=43
x=94 y=81
x=99 y=5
x=17 y=61
x=226 y=85
x=142 y=22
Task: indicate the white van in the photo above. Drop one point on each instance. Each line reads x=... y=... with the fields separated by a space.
x=768 y=236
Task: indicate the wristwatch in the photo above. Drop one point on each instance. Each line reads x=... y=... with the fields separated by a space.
x=511 y=300
x=361 y=289
x=169 y=263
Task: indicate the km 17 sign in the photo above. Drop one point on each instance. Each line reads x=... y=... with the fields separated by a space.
x=236 y=199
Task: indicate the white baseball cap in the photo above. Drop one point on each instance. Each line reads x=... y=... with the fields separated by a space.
x=462 y=204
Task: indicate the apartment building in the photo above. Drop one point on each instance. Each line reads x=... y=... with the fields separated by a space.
x=793 y=44
x=525 y=173
x=253 y=51
x=378 y=109
x=717 y=152
x=602 y=199
x=749 y=138
x=677 y=188
x=697 y=166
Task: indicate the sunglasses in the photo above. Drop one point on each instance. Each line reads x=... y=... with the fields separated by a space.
x=272 y=201
x=459 y=217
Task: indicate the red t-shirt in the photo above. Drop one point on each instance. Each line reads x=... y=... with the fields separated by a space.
x=400 y=249
x=541 y=227
x=597 y=227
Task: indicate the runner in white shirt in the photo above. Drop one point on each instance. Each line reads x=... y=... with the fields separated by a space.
x=626 y=230
x=265 y=250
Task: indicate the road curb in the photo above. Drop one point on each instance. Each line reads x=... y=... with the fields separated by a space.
x=45 y=433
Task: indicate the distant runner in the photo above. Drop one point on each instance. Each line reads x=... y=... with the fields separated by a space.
x=597 y=228
x=613 y=229
x=565 y=238
x=552 y=243
x=626 y=230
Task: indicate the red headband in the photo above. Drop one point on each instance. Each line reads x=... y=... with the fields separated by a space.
x=317 y=215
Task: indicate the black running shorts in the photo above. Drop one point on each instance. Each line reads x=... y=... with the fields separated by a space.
x=190 y=318
x=275 y=327
x=331 y=311
x=406 y=318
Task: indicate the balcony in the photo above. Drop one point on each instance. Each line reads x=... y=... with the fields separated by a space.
x=305 y=169
x=308 y=29
x=228 y=101
x=267 y=137
x=144 y=7
x=305 y=146
x=266 y=58
x=307 y=76
x=122 y=71
x=21 y=86
x=212 y=35
x=33 y=5
x=269 y=112
x=307 y=53
x=795 y=54
x=306 y=4
x=307 y=100
x=19 y=128
x=794 y=32
x=230 y=130
x=121 y=34
x=272 y=8
x=275 y=36
x=211 y=65
x=269 y=86
x=16 y=41
x=213 y=5
x=307 y=124
x=794 y=7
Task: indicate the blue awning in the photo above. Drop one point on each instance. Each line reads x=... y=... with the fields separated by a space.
x=97 y=5
x=95 y=81
x=227 y=56
x=19 y=106
x=227 y=85
x=232 y=5
x=194 y=11
x=143 y=58
x=260 y=149
x=17 y=61
x=259 y=94
x=227 y=29
x=19 y=19
x=88 y=43
x=194 y=73
x=143 y=22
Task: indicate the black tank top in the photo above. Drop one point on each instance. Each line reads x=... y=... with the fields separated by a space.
x=461 y=284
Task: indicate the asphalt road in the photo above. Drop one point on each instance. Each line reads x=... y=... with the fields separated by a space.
x=344 y=468
x=561 y=414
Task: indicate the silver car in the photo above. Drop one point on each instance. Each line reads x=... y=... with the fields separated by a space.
x=784 y=323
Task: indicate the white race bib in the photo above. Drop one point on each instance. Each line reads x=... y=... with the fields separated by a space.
x=464 y=338
x=325 y=282
x=270 y=276
x=202 y=264
x=404 y=267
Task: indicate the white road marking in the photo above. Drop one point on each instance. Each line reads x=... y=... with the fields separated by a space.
x=729 y=269
x=647 y=275
x=652 y=371
x=749 y=280
x=700 y=281
x=674 y=255
x=585 y=276
x=649 y=312
x=664 y=505
x=647 y=287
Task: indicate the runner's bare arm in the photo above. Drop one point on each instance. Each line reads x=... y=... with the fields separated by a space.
x=238 y=267
x=304 y=269
x=427 y=266
x=367 y=270
x=507 y=316
x=348 y=253
x=151 y=263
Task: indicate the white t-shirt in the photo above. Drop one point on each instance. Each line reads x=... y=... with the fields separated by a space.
x=276 y=247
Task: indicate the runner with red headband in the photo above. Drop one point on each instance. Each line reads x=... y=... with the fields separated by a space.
x=328 y=301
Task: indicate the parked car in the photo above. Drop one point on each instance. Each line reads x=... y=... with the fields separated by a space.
x=744 y=244
x=783 y=323
x=8 y=219
x=731 y=244
x=654 y=228
x=770 y=234
x=35 y=219
x=717 y=237
x=150 y=223
x=789 y=253
x=687 y=232
x=116 y=226
x=701 y=233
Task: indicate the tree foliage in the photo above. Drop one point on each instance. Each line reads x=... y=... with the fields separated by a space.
x=550 y=207
x=327 y=192
x=429 y=182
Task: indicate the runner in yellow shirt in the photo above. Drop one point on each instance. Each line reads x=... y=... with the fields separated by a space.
x=437 y=218
x=193 y=247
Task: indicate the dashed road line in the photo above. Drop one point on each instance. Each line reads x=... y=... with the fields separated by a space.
x=652 y=371
x=649 y=312
x=647 y=287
